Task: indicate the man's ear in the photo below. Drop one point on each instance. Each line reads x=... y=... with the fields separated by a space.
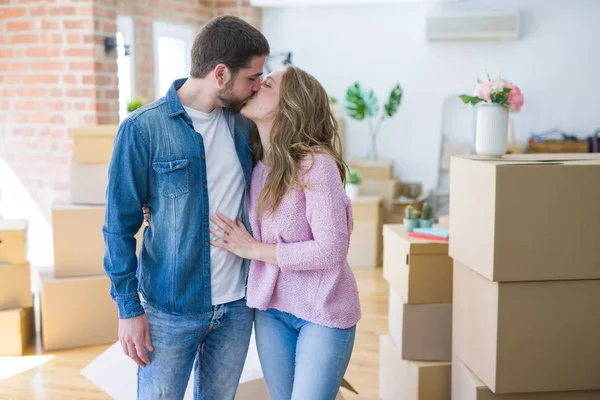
x=222 y=74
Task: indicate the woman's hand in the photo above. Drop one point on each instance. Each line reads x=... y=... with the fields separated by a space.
x=146 y=210
x=236 y=238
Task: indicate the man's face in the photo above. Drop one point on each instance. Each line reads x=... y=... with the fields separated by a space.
x=243 y=86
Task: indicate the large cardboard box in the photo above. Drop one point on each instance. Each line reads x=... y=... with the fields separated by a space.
x=93 y=144
x=386 y=188
x=528 y=217
x=88 y=183
x=16 y=331
x=13 y=241
x=417 y=269
x=366 y=241
x=422 y=332
x=77 y=312
x=528 y=336
x=378 y=170
x=78 y=240
x=467 y=386
x=410 y=380
x=15 y=286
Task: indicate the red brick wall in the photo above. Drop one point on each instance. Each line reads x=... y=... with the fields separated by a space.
x=54 y=73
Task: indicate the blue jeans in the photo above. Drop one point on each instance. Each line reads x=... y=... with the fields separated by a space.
x=301 y=360
x=215 y=344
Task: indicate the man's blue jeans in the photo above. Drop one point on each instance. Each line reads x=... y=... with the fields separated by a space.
x=215 y=344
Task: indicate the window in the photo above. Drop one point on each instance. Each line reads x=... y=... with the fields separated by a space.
x=125 y=64
x=172 y=46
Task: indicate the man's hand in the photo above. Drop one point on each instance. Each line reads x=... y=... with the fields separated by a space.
x=134 y=334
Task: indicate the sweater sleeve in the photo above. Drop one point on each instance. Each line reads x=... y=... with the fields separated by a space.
x=328 y=213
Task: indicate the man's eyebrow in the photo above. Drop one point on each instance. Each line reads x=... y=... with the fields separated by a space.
x=257 y=74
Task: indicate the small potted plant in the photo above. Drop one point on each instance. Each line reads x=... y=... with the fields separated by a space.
x=426 y=221
x=352 y=184
x=135 y=103
x=411 y=219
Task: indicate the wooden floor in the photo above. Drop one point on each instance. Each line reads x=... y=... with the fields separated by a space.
x=55 y=375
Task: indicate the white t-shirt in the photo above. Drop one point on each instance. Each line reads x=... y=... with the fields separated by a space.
x=225 y=180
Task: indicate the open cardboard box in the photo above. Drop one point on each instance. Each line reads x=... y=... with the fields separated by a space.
x=115 y=373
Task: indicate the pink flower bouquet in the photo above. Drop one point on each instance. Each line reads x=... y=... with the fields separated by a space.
x=497 y=90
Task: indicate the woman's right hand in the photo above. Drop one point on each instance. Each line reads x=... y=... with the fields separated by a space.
x=147 y=214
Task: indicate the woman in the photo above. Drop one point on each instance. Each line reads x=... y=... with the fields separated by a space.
x=299 y=281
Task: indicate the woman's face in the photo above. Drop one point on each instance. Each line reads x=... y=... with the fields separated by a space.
x=264 y=106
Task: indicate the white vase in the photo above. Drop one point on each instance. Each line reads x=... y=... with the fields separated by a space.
x=491 y=136
x=352 y=191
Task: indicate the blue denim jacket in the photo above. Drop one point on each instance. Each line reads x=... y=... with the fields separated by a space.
x=158 y=158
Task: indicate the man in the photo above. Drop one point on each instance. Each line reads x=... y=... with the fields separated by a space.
x=186 y=155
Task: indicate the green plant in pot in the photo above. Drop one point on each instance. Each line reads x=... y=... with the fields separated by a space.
x=352 y=184
x=411 y=219
x=363 y=104
x=135 y=103
x=426 y=221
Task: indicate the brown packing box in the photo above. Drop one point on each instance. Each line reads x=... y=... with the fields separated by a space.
x=366 y=242
x=527 y=217
x=422 y=332
x=527 y=336
x=410 y=189
x=387 y=189
x=78 y=240
x=77 y=312
x=467 y=386
x=410 y=380
x=417 y=269
x=88 y=183
x=13 y=241
x=93 y=144
x=15 y=286
x=16 y=329
x=378 y=170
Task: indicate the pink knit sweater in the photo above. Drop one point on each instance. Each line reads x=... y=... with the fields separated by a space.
x=311 y=228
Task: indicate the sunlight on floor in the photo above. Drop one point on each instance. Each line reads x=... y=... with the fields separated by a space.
x=10 y=366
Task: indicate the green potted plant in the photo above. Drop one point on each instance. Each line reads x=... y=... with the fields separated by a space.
x=426 y=221
x=352 y=184
x=411 y=219
x=135 y=103
x=363 y=104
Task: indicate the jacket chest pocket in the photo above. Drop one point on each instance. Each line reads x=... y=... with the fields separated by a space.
x=173 y=177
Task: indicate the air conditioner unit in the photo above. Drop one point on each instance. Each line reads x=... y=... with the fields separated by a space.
x=473 y=26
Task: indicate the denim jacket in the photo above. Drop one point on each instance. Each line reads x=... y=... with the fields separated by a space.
x=159 y=158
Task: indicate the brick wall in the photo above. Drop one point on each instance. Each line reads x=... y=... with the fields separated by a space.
x=54 y=73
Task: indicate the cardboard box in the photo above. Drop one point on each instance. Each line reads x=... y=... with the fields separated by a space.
x=422 y=332
x=78 y=240
x=13 y=241
x=515 y=218
x=17 y=329
x=88 y=183
x=77 y=312
x=15 y=286
x=444 y=221
x=410 y=380
x=377 y=170
x=366 y=242
x=467 y=386
x=93 y=144
x=386 y=188
x=411 y=190
x=115 y=373
x=417 y=269
x=528 y=336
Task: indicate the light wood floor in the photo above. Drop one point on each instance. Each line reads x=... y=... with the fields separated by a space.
x=58 y=377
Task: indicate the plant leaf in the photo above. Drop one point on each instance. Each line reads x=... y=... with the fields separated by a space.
x=360 y=103
x=394 y=101
x=473 y=100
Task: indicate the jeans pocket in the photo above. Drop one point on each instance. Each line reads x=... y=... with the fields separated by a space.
x=173 y=177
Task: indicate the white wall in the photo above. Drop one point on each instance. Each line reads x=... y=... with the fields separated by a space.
x=556 y=63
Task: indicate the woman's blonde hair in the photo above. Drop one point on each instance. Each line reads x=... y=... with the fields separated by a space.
x=303 y=127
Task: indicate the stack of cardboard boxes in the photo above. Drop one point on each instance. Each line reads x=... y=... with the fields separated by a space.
x=76 y=308
x=415 y=357
x=16 y=300
x=525 y=239
x=366 y=242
